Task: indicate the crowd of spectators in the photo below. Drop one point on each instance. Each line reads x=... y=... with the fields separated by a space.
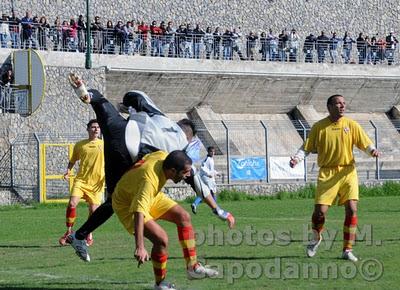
x=185 y=41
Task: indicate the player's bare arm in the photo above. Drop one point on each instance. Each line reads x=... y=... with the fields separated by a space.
x=141 y=254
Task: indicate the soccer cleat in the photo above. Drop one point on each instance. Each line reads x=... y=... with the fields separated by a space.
x=79 y=247
x=194 y=208
x=63 y=241
x=348 y=255
x=79 y=88
x=89 y=240
x=164 y=286
x=200 y=272
x=313 y=247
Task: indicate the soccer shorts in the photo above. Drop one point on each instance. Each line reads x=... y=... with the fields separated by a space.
x=161 y=204
x=337 y=182
x=92 y=194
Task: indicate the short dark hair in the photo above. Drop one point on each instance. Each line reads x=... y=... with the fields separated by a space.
x=91 y=122
x=330 y=99
x=209 y=148
x=186 y=124
x=177 y=159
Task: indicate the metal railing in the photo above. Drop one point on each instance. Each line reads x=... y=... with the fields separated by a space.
x=201 y=45
x=13 y=99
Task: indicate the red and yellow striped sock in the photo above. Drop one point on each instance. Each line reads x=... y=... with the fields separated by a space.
x=318 y=222
x=188 y=243
x=349 y=232
x=159 y=261
x=70 y=216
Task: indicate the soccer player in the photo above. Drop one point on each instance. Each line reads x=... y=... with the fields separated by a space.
x=139 y=203
x=207 y=173
x=333 y=138
x=127 y=141
x=89 y=182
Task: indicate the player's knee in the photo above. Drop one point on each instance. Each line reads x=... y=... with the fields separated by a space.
x=184 y=217
x=161 y=241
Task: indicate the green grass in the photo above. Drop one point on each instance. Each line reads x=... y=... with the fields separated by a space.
x=269 y=235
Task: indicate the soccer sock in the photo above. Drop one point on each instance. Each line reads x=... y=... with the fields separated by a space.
x=349 y=232
x=70 y=216
x=159 y=261
x=197 y=201
x=188 y=244
x=318 y=222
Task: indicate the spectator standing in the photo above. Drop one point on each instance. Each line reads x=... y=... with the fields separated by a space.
x=57 y=34
x=208 y=42
x=361 y=48
x=156 y=33
x=263 y=46
x=65 y=35
x=188 y=48
x=35 y=30
x=391 y=43
x=333 y=48
x=27 y=25
x=120 y=37
x=217 y=37
x=180 y=40
x=43 y=32
x=81 y=33
x=251 y=42
x=14 y=23
x=293 y=45
x=272 y=46
x=4 y=31
x=129 y=39
x=73 y=35
x=347 y=46
x=282 y=45
x=227 y=44
x=309 y=47
x=141 y=41
x=109 y=38
x=373 y=49
x=169 y=49
x=198 y=35
x=236 y=39
x=322 y=47
x=97 y=35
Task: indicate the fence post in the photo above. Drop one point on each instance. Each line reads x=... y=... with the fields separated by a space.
x=266 y=150
x=228 y=162
x=377 y=171
x=11 y=166
x=39 y=167
x=305 y=157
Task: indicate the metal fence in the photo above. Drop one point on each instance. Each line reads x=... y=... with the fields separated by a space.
x=224 y=46
x=267 y=140
x=14 y=100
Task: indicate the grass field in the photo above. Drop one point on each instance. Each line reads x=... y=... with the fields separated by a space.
x=265 y=251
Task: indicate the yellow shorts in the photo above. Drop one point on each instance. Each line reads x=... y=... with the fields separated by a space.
x=161 y=204
x=92 y=194
x=333 y=182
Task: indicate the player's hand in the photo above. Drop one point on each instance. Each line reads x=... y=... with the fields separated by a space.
x=66 y=175
x=141 y=255
x=376 y=153
x=293 y=162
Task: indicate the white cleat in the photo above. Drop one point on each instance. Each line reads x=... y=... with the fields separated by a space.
x=201 y=272
x=79 y=88
x=164 y=286
x=313 y=247
x=80 y=247
x=348 y=255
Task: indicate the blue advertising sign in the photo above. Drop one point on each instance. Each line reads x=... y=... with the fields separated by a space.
x=249 y=168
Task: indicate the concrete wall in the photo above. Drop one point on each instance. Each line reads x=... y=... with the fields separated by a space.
x=369 y=16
